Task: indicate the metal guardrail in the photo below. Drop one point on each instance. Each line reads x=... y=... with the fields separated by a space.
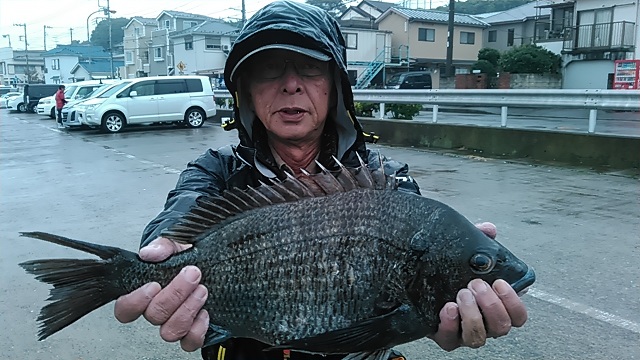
x=592 y=100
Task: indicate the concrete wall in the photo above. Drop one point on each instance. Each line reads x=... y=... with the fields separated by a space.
x=535 y=81
x=587 y=74
x=600 y=151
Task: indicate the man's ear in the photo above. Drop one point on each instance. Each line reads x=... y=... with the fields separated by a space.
x=244 y=94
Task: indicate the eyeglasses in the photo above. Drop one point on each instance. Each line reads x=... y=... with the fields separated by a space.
x=274 y=69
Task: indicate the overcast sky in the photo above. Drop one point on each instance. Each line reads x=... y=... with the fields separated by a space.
x=61 y=15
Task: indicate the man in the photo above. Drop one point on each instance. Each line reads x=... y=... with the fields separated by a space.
x=60 y=101
x=293 y=105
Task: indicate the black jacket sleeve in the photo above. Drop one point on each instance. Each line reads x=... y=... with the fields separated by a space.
x=204 y=176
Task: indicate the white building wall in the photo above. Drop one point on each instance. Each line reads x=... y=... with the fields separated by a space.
x=587 y=74
x=200 y=58
x=66 y=64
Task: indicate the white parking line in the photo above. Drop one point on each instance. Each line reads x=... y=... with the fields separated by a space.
x=612 y=319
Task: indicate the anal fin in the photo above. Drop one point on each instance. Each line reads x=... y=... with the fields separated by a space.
x=215 y=335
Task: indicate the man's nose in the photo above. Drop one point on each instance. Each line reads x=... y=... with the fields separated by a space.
x=291 y=80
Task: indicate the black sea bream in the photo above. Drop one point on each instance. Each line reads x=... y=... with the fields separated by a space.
x=328 y=263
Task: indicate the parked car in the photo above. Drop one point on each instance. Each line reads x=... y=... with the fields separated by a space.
x=31 y=94
x=5 y=98
x=74 y=91
x=69 y=111
x=410 y=80
x=7 y=89
x=185 y=100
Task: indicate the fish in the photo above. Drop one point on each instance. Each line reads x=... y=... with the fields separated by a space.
x=338 y=262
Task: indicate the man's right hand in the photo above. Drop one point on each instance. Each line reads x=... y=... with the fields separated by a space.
x=177 y=308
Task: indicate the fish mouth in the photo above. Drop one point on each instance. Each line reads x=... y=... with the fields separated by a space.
x=520 y=286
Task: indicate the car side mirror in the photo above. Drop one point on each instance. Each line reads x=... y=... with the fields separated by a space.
x=133 y=93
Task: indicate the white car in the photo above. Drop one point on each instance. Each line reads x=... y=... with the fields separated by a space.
x=5 y=98
x=187 y=100
x=70 y=110
x=16 y=103
x=74 y=91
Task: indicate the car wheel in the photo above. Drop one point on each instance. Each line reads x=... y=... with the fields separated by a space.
x=194 y=118
x=52 y=114
x=113 y=122
x=22 y=108
x=34 y=109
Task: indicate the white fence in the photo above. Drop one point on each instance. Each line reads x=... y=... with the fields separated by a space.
x=592 y=100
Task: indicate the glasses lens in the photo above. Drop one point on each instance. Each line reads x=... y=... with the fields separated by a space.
x=273 y=69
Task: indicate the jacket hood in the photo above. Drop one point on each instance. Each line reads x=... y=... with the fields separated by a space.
x=296 y=25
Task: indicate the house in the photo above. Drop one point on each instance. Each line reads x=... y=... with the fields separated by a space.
x=13 y=64
x=364 y=14
x=161 y=52
x=419 y=39
x=136 y=41
x=203 y=49
x=591 y=36
x=62 y=59
x=525 y=24
x=95 y=69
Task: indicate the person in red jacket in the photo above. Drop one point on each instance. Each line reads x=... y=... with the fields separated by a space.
x=60 y=101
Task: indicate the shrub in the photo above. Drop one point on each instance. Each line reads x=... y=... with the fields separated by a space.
x=490 y=55
x=366 y=109
x=530 y=59
x=403 y=111
x=485 y=67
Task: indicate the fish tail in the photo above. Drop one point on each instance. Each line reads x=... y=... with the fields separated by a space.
x=79 y=285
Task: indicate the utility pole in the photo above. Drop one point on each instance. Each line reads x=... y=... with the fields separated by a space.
x=108 y=13
x=26 y=52
x=71 y=34
x=45 y=36
x=449 y=63
x=244 y=14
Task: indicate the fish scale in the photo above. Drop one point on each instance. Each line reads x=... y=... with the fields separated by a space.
x=329 y=263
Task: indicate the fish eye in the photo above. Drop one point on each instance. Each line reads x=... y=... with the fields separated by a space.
x=481 y=263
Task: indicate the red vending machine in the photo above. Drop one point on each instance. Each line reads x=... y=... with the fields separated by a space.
x=627 y=74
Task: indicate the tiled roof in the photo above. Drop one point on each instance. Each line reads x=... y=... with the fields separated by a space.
x=380 y=5
x=82 y=51
x=359 y=11
x=145 y=21
x=520 y=13
x=208 y=28
x=184 y=15
x=97 y=66
x=438 y=16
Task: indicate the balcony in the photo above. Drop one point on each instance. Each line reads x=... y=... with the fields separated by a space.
x=616 y=36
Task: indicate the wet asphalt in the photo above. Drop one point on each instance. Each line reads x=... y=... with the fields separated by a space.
x=578 y=227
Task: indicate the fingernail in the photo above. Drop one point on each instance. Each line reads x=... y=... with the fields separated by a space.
x=452 y=312
x=191 y=273
x=150 y=289
x=466 y=296
x=479 y=287
x=501 y=287
x=200 y=292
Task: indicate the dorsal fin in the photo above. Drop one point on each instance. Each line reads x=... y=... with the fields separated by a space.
x=212 y=210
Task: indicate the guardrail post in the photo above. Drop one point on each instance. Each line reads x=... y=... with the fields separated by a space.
x=435 y=114
x=593 y=114
x=503 y=117
x=381 y=111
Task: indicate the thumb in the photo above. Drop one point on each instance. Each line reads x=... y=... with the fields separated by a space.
x=160 y=249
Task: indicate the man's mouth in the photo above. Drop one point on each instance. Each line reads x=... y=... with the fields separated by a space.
x=291 y=111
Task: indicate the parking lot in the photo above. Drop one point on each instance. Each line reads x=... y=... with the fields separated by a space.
x=577 y=227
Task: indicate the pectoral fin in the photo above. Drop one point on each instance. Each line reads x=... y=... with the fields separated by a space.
x=215 y=335
x=381 y=332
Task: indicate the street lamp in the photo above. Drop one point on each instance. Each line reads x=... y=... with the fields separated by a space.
x=95 y=12
x=26 y=52
x=7 y=36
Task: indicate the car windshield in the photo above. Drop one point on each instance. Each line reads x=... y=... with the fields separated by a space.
x=394 y=80
x=69 y=90
x=114 y=89
x=98 y=91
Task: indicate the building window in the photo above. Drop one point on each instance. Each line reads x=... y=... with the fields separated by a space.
x=511 y=33
x=189 y=24
x=145 y=57
x=467 y=38
x=493 y=35
x=128 y=56
x=137 y=31
x=352 y=40
x=425 y=34
x=157 y=53
x=3 y=70
x=188 y=43
x=211 y=43
x=55 y=64
x=167 y=24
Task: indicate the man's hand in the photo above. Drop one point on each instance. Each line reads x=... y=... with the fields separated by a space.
x=177 y=308
x=481 y=311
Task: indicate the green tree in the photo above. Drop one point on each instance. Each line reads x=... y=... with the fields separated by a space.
x=485 y=67
x=100 y=35
x=530 y=59
x=483 y=6
x=335 y=7
x=490 y=55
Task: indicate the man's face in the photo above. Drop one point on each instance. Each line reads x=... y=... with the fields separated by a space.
x=290 y=94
